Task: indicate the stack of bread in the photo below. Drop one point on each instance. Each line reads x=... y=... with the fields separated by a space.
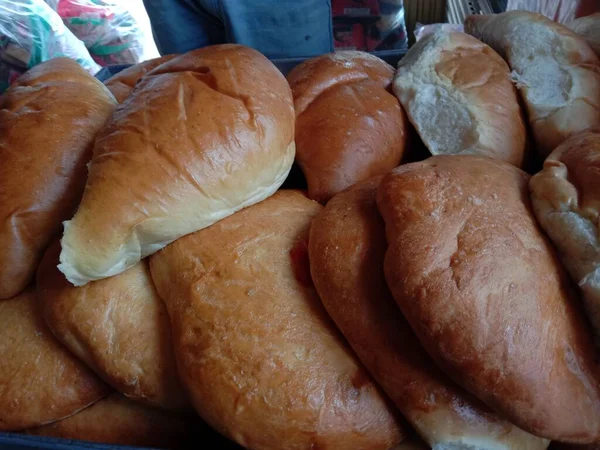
x=154 y=276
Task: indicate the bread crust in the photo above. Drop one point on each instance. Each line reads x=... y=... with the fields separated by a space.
x=566 y=200
x=458 y=95
x=40 y=381
x=118 y=326
x=262 y=361
x=48 y=122
x=349 y=127
x=483 y=290
x=346 y=249
x=555 y=70
x=202 y=136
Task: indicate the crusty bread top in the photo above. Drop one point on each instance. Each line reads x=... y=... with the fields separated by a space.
x=48 y=122
x=40 y=381
x=262 y=361
x=346 y=249
x=202 y=136
x=311 y=78
x=118 y=326
x=566 y=201
x=458 y=94
x=556 y=72
x=485 y=293
x=588 y=27
x=122 y=83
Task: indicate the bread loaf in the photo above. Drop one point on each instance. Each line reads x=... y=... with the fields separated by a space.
x=259 y=356
x=40 y=381
x=202 y=136
x=566 y=202
x=48 y=121
x=119 y=421
x=458 y=95
x=485 y=294
x=122 y=83
x=588 y=27
x=346 y=249
x=348 y=126
x=557 y=73
x=118 y=326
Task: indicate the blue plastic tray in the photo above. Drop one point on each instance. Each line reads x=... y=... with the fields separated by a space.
x=284 y=65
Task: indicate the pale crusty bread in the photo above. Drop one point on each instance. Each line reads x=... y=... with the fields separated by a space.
x=40 y=381
x=485 y=294
x=48 y=121
x=588 y=27
x=202 y=136
x=566 y=201
x=119 y=421
x=262 y=361
x=118 y=326
x=458 y=94
x=122 y=83
x=348 y=126
x=346 y=250
x=556 y=72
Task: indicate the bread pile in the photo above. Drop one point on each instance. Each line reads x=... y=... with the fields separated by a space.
x=156 y=280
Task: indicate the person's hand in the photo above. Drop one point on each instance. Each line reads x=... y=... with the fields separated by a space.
x=562 y=11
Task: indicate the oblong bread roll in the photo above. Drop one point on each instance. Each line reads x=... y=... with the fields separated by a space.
x=458 y=94
x=348 y=126
x=566 y=200
x=255 y=349
x=556 y=72
x=588 y=27
x=122 y=83
x=484 y=292
x=119 y=421
x=119 y=326
x=40 y=381
x=346 y=250
x=48 y=122
x=202 y=136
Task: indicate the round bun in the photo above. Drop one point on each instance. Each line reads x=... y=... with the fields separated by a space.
x=122 y=83
x=119 y=421
x=566 y=201
x=40 y=381
x=201 y=136
x=484 y=292
x=459 y=96
x=117 y=326
x=348 y=126
x=48 y=121
x=262 y=361
x=556 y=72
x=346 y=249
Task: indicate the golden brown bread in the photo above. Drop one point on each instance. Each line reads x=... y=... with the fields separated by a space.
x=566 y=201
x=459 y=96
x=348 y=126
x=484 y=292
x=117 y=420
x=556 y=72
x=259 y=356
x=122 y=83
x=588 y=27
x=40 y=381
x=118 y=326
x=202 y=136
x=346 y=249
x=48 y=121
